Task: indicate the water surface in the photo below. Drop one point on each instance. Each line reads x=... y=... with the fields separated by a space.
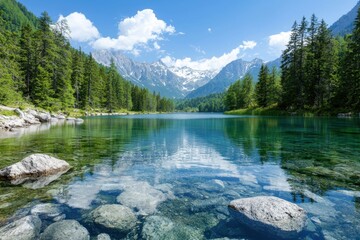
x=192 y=166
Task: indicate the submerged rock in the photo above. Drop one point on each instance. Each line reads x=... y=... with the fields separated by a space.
x=46 y=210
x=103 y=236
x=65 y=230
x=162 y=228
x=38 y=182
x=26 y=228
x=270 y=214
x=142 y=197
x=115 y=217
x=157 y=227
x=33 y=166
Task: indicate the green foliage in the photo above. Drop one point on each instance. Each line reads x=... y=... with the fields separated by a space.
x=240 y=94
x=16 y=15
x=39 y=66
x=210 y=103
x=320 y=73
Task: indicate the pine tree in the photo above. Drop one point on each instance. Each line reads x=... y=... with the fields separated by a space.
x=247 y=91
x=353 y=68
x=262 y=87
x=9 y=69
x=274 y=87
x=44 y=59
x=311 y=62
x=26 y=59
x=77 y=75
x=62 y=72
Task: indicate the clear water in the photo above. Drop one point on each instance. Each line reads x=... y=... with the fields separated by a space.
x=192 y=166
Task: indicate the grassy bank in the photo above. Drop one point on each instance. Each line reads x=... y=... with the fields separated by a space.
x=270 y=111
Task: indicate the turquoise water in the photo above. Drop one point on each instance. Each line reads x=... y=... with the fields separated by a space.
x=186 y=168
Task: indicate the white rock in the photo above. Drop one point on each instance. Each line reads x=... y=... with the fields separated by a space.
x=43 y=116
x=270 y=214
x=34 y=165
x=103 y=236
x=26 y=228
x=65 y=230
x=115 y=217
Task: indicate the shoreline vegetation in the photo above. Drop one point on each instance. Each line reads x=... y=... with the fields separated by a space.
x=39 y=68
x=275 y=111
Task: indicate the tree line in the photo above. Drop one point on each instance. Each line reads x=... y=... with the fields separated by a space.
x=210 y=103
x=39 y=66
x=319 y=73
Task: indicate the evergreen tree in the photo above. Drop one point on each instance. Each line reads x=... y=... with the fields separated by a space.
x=262 y=87
x=77 y=75
x=26 y=59
x=9 y=69
x=352 y=73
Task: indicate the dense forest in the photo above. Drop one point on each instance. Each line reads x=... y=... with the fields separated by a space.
x=210 y=103
x=38 y=66
x=319 y=73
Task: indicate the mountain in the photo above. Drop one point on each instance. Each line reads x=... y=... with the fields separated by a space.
x=229 y=74
x=170 y=82
x=194 y=78
x=345 y=24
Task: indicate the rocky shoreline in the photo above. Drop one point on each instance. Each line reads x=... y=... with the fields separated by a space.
x=29 y=117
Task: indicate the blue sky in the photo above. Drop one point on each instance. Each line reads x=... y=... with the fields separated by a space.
x=197 y=33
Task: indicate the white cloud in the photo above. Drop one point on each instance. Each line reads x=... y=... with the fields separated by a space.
x=248 y=45
x=214 y=63
x=81 y=28
x=278 y=42
x=136 y=31
x=209 y=30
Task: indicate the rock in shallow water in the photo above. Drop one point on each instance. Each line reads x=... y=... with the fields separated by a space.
x=26 y=228
x=46 y=210
x=142 y=197
x=115 y=217
x=33 y=166
x=103 y=236
x=162 y=228
x=65 y=230
x=270 y=214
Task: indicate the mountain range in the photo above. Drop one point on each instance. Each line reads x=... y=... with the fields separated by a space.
x=177 y=82
x=186 y=82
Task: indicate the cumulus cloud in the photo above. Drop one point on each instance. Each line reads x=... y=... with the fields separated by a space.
x=248 y=45
x=81 y=28
x=278 y=42
x=213 y=63
x=136 y=31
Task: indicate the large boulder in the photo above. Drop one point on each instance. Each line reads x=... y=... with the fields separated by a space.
x=65 y=229
x=34 y=166
x=270 y=214
x=42 y=116
x=115 y=217
x=26 y=228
